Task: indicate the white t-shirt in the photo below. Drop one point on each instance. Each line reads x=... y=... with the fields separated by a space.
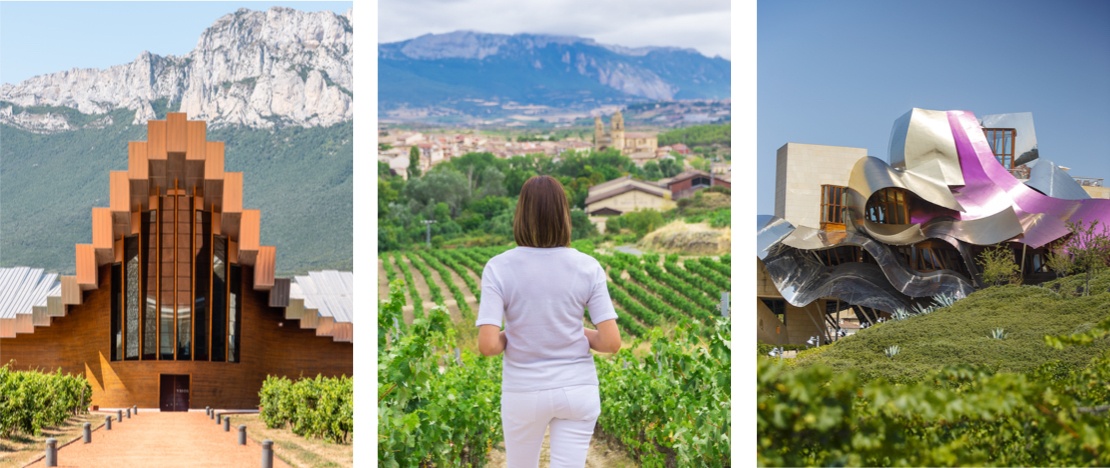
x=541 y=294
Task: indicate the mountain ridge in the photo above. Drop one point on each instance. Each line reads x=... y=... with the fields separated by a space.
x=451 y=70
x=259 y=69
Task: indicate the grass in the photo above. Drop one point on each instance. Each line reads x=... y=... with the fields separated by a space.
x=20 y=449
x=294 y=449
x=962 y=335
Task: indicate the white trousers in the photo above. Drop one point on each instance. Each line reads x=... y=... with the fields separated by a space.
x=571 y=412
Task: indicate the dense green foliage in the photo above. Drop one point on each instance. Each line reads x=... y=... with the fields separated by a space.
x=672 y=406
x=472 y=198
x=930 y=342
x=998 y=266
x=435 y=408
x=31 y=400
x=321 y=407
x=1008 y=386
x=960 y=416
x=300 y=179
x=698 y=135
x=669 y=406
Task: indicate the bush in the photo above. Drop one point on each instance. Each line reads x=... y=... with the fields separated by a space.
x=32 y=400
x=321 y=407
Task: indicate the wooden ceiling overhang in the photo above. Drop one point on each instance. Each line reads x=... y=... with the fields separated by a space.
x=175 y=158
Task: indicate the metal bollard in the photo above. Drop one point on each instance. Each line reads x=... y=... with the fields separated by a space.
x=267 y=453
x=128 y=413
x=119 y=415
x=52 y=452
x=207 y=411
x=227 y=424
x=86 y=433
x=135 y=408
x=108 y=423
x=219 y=419
x=242 y=434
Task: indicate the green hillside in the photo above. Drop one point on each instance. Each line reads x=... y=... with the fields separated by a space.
x=956 y=392
x=301 y=180
x=961 y=335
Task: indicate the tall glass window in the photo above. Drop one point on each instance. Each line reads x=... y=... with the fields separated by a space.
x=219 y=299
x=149 y=268
x=131 y=297
x=233 y=316
x=175 y=296
x=202 y=263
x=167 y=297
x=832 y=206
x=117 y=313
x=1001 y=141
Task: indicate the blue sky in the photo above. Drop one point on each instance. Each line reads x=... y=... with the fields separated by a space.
x=47 y=37
x=839 y=73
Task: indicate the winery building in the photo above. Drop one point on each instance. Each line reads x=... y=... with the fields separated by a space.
x=175 y=304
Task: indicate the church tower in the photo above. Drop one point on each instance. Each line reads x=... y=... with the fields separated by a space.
x=599 y=133
x=617 y=132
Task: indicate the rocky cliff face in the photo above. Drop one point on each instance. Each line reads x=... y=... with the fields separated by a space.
x=252 y=68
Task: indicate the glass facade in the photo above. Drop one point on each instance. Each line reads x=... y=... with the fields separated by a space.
x=175 y=295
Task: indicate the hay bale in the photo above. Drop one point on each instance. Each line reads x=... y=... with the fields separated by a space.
x=688 y=239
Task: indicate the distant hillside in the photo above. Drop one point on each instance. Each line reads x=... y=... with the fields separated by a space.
x=961 y=335
x=473 y=73
x=300 y=179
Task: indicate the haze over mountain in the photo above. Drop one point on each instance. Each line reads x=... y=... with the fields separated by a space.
x=258 y=69
x=468 y=72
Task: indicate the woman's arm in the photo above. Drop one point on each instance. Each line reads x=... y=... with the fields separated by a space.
x=491 y=340
x=607 y=337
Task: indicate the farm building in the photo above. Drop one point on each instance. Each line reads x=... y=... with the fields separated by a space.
x=175 y=304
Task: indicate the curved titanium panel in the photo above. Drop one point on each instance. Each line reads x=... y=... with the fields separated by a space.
x=772 y=229
x=802 y=279
x=903 y=279
x=1046 y=177
x=989 y=184
x=921 y=142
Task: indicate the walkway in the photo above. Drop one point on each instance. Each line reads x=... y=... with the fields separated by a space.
x=153 y=438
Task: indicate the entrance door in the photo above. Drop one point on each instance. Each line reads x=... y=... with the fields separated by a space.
x=174 y=392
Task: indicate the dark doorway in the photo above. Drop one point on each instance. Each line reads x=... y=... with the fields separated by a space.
x=174 y=392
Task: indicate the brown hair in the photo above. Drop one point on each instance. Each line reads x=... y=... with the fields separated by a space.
x=542 y=214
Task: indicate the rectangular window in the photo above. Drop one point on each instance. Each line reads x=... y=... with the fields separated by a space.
x=219 y=299
x=117 y=313
x=167 y=287
x=131 y=296
x=202 y=264
x=233 y=315
x=1001 y=141
x=149 y=266
x=832 y=207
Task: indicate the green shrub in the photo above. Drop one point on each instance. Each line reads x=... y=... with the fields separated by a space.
x=32 y=400
x=321 y=407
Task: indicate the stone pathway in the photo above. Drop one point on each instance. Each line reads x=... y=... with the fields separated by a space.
x=154 y=438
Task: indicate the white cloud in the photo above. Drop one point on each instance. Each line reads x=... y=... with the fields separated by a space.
x=698 y=24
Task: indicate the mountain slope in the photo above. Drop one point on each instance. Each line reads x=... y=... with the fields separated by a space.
x=253 y=68
x=450 y=69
